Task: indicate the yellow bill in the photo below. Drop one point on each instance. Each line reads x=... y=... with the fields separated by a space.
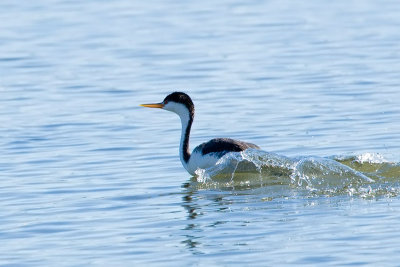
x=157 y=105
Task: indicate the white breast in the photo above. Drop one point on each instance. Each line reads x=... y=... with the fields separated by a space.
x=197 y=160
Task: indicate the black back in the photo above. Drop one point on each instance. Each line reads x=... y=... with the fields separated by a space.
x=221 y=146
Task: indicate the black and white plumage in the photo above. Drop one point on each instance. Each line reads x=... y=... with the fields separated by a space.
x=207 y=154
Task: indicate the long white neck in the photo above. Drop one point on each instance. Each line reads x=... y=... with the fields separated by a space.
x=184 y=150
x=186 y=121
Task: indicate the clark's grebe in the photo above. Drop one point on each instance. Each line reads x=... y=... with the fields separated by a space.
x=206 y=154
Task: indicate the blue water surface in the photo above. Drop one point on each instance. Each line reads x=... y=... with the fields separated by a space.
x=87 y=177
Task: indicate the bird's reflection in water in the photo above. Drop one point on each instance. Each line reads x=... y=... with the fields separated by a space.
x=191 y=203
x=192 y=208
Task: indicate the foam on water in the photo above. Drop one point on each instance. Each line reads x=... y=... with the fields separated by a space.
x=366 y=175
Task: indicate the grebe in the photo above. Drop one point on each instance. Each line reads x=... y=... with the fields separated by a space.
x=206 y=154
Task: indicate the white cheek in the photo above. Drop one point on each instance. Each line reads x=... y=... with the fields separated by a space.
x=171 y=107
x=178 y=108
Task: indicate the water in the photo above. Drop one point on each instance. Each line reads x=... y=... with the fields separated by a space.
x=90 y=178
